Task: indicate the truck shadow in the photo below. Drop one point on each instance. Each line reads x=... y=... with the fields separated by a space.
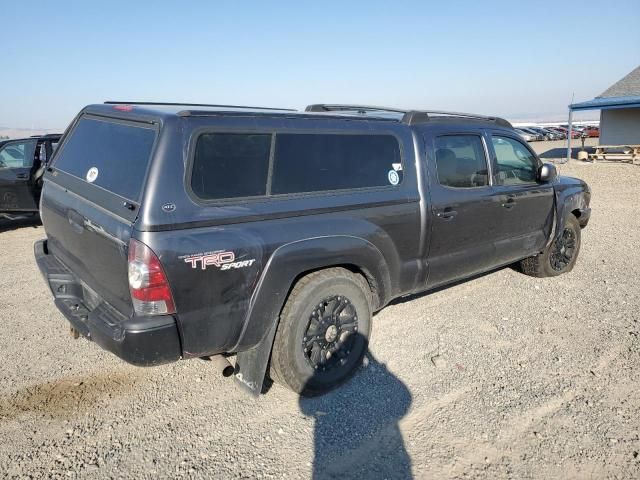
x=8 y=225
x=356 y=431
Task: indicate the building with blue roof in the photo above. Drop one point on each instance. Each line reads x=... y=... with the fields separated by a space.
x=619 y=107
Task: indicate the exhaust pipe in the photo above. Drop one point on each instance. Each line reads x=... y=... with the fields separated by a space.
x=223 y=365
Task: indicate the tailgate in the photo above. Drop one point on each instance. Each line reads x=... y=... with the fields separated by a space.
x=90 y=201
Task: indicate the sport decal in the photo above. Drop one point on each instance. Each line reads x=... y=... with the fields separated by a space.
x=220 y=259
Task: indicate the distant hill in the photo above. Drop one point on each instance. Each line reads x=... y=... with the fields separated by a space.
x=26 y=132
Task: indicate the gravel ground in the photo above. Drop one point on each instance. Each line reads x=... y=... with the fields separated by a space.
x=504 y=376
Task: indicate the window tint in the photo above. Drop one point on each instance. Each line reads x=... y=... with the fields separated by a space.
x=316 y=162
x=461 y=161
x=515 y=163
x=228 y=165
x=117 y=154
x=18 y=154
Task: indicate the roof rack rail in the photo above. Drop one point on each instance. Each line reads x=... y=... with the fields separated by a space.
x=362 y=109
x=410 y=117
x=177 y=104
x=444 y=113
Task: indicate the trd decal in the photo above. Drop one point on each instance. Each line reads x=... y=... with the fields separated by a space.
x=221 y=260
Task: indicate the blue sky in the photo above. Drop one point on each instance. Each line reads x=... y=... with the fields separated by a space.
x=511 y=58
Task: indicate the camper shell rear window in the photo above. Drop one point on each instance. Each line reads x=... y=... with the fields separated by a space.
x=111 y=154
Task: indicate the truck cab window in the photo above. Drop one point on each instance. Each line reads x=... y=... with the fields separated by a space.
x=18 y=154
x=461 y=161
x=515 y=164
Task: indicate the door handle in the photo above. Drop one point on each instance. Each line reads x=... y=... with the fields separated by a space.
x=76 y=221
x=22 y=176
x=446 y=214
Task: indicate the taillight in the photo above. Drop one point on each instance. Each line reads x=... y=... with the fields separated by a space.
x=148 y=283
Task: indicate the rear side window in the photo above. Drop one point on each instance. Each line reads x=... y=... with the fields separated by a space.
x=316 y=162
x=231 y=165
x=461 y=161
x=111 y=155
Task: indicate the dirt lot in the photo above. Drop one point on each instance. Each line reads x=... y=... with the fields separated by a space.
x=504 y=376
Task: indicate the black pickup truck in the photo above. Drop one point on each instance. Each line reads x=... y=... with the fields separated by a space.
x=185 y=231
x=22 y=163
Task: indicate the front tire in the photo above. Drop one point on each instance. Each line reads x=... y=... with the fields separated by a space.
x=323 y=332
x=559 y=257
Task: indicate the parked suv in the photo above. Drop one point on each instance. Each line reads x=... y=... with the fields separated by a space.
x=22 y=163
x=186 y=231
x=528 y=137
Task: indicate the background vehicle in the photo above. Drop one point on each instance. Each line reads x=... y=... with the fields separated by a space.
x=578 y=130
x=591 y=131
x=574 y=133
x=22 y=163
x=555 y=135
x=559 y=132
x=194 y=230
x=546 y=134
x=527 y=136
x=537 y=136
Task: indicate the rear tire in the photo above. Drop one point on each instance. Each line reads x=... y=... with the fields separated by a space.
x=323 y=332
x=559 y=257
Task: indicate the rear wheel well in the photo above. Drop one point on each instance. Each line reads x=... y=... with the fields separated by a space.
x=371 y=280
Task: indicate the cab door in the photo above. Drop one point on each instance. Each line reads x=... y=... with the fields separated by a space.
x=16 y=163
x=463 y=205
x=527 y=205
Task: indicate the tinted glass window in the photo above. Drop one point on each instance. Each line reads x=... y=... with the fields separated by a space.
x=316 y=162
x=515 y=163
x=461 y=161
x=117 y=155
x=18 y=154
x=228 y=165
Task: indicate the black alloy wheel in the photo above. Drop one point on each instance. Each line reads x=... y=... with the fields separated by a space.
x=323 y=331
x=329 y=336
x=563 y=250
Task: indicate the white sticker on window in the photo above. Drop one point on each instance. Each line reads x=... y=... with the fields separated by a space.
x=92 y=174
x=394 y=178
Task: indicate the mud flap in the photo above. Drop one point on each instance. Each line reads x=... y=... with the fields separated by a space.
x=251 y=365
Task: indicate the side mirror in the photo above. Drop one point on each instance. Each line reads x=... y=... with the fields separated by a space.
x=547 y=173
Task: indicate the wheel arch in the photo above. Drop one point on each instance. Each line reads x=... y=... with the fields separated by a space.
x=292 y=261
x=372 y=281
x=568 y=202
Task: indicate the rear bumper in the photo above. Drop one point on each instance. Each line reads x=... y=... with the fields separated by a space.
x=141 y=341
